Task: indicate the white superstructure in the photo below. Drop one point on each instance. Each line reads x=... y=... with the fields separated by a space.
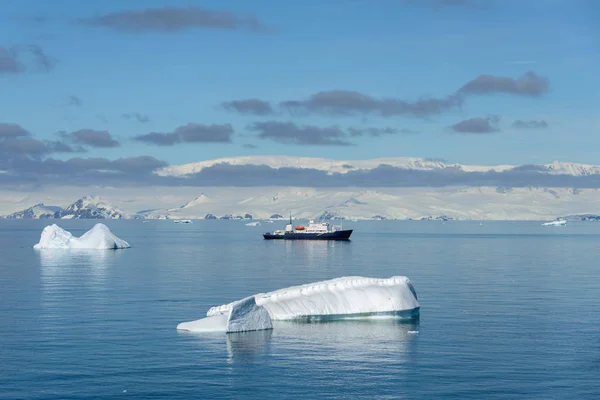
x=312 y=227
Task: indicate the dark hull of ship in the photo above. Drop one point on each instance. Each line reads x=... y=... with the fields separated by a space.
x=337 y=235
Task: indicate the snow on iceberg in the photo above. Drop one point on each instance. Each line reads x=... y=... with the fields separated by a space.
x=99 y=237
x=239 y=316
x=558 y=222
x=340 y=298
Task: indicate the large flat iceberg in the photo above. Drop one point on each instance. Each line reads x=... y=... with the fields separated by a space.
x=99 y=237
x=340 y=298
x=558 y=222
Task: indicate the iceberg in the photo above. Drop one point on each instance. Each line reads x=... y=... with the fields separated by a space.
x=352 y=297
x=99 y=237
x=558 y=222
x=255 y=223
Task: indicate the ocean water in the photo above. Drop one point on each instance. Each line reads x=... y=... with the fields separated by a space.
x=509 y=310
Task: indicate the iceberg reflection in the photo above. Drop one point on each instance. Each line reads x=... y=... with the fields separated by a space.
x=64 y=268
x=246 y=346
x=77 y=257
x=67 y=274
x=358 y=340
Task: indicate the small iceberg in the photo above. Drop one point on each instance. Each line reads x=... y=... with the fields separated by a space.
x=558 y=222
x=182 y=221
x=99 y=237
x=351 y=297
x=255 y=223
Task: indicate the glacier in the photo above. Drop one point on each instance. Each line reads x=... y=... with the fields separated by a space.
x=351 y=297
x=99 y=237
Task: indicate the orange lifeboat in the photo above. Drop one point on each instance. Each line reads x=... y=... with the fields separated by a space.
x=299 y=228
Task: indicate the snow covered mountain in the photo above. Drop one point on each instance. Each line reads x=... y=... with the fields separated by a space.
x=321 y=164
x=470 y=203
x=202 y=199
x=91 y=207
x=478 y=203
x=344 y=166
x=471 y=200
x=573 y=169
x=38 y=211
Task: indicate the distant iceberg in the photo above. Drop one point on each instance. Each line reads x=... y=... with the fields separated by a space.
x=558 y=222
x=351 y=297
x=99 y=237
x=255 y=223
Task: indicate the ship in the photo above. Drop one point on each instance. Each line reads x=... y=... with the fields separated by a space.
x=313 y=231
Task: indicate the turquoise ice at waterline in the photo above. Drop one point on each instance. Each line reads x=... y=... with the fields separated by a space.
x=344 y=298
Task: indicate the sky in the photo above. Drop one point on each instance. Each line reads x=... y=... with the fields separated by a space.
x=133 y=86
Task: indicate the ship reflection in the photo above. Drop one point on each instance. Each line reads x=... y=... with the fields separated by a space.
x=315 y=251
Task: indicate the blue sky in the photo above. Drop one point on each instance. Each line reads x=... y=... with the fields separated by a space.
x=403 y=50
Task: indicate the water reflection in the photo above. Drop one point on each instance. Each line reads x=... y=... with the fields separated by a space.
x=340 y=341
x=349 y=340
x=368 y=342
x=65 y=267
x=316 y=250
x=246 y=346
x=67 y=257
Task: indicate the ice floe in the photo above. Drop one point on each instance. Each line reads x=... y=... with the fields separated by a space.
x=558 y=222
x=341 y=298
x=99 y=237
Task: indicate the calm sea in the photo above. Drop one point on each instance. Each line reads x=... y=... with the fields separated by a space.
x=509 y=310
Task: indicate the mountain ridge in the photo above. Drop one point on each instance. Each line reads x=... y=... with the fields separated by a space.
x=463 y=203
x=91 y=207
x=37 y=211
x=332 y=166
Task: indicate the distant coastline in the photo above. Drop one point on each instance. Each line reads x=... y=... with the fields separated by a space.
x=366 y=205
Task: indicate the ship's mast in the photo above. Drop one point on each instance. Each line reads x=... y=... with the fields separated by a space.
x=290 y=217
